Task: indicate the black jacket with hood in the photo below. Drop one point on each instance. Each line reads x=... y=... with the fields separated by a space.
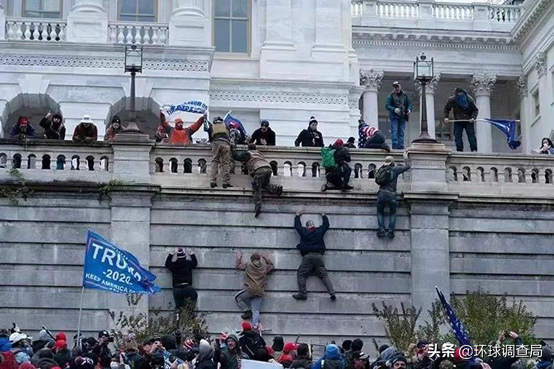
x=309 y=138
x=311 y=240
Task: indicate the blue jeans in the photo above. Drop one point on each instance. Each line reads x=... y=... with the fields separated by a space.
x=397 y=127
x=386 y=198
x=246 y=301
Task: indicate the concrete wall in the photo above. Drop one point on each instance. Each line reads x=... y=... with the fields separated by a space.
x=453 y=233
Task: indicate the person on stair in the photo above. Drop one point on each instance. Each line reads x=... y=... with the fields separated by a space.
x=312 y=248
x=250 y=298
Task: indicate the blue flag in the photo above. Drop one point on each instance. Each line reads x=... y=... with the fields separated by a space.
x=112 y=269
x=457 y=327
x=193 y=106
x=508 y=127
x=228 y=119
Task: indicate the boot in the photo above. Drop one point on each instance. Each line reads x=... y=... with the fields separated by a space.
x=390 y=233
x=381 y=233
x=258 y=212
x=247 y=315
x=333 y=297
x=279 y=191
x=227 y=185
x=213 y=185
x=299 y=296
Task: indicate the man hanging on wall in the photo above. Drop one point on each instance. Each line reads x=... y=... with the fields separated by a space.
x=312 y=248
x=181 y=270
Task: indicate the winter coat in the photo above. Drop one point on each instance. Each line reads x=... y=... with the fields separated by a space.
x=46 y=363
x=256 y=274
x=250 y=342
x=52 y=131
x=268 y=136
x=342 y=155
x=81 y=132
x=16 y=131
x=253 y=160
x=206 y=364
x=111 y=132
x=181 y=270
x=391 y=185
x=311 y=240
x=300 y=363
x=505 y=362
x=39 y=345
x=183 y=136
x=309 y=138
x=401 y=101
x=8 y=360
x=228 y=359
x=365 y=133
x=331 y=360
x=459 y=112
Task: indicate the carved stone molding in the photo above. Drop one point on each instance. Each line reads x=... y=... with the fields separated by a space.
x=109 y=63
x=521 y=85
x=540 y=64
x=371 y=79
x=279 y=97
x=483 y=84
x=430 y=87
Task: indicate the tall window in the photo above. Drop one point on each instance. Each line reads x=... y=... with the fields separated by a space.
x=231 y=25
x=137 y=10
x=536 y=102
x=42 y=8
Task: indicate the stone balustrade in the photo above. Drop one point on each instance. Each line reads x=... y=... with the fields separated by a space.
x=28 y=29
x=297 y=167
x=479 y=17
x=143 y=33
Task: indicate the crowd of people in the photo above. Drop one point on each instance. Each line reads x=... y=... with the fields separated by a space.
x=230 y=350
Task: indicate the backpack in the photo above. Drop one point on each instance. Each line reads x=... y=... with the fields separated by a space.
x=383 y=175
x=328 y=158
x=251 y=345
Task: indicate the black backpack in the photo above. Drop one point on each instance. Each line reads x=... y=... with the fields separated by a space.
x=384 y=175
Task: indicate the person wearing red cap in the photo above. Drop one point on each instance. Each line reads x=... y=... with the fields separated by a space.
x=249 y=299
x=22 y=130
x=250 y=341
x=289 y=354
x=340 y=176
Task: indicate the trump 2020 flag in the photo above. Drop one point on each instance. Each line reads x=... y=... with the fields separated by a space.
x=110 y=268
x=173 y=111
x=457 y=327
x=508 y=127
x=228 y=119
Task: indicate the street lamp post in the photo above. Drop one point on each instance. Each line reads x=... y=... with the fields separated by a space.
x=133 y=64
x=424 y=72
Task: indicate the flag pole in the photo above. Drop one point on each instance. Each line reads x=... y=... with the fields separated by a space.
x=80 y=314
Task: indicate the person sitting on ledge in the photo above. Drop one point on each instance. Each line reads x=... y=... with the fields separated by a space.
x=370 y=137
x=85 y=131
x=114 y=129
x=54 y=128
x=22 y=130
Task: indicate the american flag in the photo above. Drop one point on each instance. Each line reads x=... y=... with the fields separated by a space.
x=457 y=327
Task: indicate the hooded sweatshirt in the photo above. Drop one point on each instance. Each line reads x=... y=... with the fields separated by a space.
x=205 y=356
x=231 y=359
x=331 y=360
x=462 y=104
x=18 y=129
x=256 y=274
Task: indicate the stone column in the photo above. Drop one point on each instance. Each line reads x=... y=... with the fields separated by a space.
x=328 y=31
x=278 y=25
x=131 y=153
x=525 y=115
x=483 y=85
x=354 y=105
x=87 y=22
x=429 y=220
x=371 y=81
x=2 y=22
x=189 y=24
x=430 y=102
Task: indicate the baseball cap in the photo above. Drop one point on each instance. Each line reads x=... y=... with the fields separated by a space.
x=264 y=123
x=396 y=83
x=103 y=334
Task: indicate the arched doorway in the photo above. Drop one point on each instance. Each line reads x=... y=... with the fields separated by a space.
x=32 y=106
x=147 y=114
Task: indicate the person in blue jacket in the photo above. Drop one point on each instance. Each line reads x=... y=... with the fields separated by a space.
x=332 y=359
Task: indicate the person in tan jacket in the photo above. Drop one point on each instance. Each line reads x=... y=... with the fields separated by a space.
x=249 y=299
x=259 y=168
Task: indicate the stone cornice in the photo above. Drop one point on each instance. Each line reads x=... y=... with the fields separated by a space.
x=106 y=62
x=278 y=97
x=534 y=9
x=371 y=79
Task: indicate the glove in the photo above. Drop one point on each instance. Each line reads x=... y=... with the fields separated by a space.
x=397 y=111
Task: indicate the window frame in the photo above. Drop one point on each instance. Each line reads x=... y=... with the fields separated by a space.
x=536 y=98
x=155 y=5
x=230 y=18
x=24 y=10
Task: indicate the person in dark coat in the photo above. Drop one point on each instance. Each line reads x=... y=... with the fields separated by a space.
x=181 y=270
x=46 y=360
x=278 y=346
x=421 y=360
x=465 y=113
x=387 y=195
x=205 y=356
x=54 y=128
x=331 y=360
x=312 y=248
x=370 y=137
x=43 y=339
x=505 y=362
x=22 y=130
x=250 y=340
x=114 y=128
x=400 y=107
x=351 y=143
x=310 y=137
x=85 y=131
x=303 y=358
x=232 y=357
x=263 y=135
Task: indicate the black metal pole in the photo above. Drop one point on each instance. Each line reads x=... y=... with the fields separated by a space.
x=133 y=113
x=424 y=135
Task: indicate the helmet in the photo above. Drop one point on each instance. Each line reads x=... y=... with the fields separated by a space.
x=16 y=337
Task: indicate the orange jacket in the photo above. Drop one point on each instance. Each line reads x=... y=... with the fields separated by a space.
x=183 y=136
